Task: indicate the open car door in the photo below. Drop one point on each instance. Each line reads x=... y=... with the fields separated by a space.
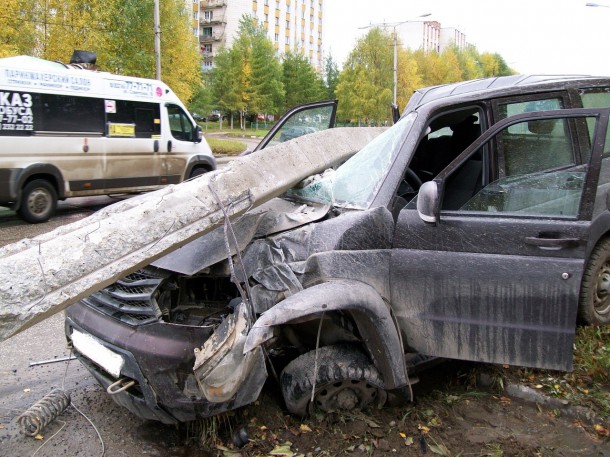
x=301 y=120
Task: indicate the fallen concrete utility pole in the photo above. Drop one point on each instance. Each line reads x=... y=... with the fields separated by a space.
x=40 y=277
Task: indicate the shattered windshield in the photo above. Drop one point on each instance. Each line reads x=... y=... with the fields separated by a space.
x=355 y=183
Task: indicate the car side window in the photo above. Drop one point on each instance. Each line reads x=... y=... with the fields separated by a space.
x=549 y=139
x=303 y=123
x=179 y=123
x=539 y=177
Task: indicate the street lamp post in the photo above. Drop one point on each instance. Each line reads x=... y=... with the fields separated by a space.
x=157 y=40
x=395 y=39
x=597 y=5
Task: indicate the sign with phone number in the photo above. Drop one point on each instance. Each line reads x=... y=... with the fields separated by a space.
x=16 y=114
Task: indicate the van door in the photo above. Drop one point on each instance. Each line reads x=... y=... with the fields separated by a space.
x=496 y=276
x=132 y=161
x=179 y=146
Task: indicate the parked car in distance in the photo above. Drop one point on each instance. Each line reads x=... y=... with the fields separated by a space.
x=197 y=117
x=476 y=228
x=215 y=116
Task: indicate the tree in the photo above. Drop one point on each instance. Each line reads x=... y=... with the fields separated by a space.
x=302 y=84
x=120 y=32
x=365 y=87
x=331 y=76
x=247 y=78
x=17 y=28
x=227 y=81
x=409 y=77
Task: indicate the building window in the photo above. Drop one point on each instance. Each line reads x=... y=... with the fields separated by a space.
x=208 y=15
x=206 y=32
x=196 y=31
x=277 y=21
x=207 y=49
x=287 y=25
x=287 y=40
x=277 y=37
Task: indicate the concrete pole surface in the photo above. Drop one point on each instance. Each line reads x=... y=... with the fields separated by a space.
x=42 y=276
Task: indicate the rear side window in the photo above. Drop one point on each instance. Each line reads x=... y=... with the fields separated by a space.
x=68 y=114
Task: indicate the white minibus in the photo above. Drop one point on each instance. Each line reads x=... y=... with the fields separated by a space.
x=66 y=131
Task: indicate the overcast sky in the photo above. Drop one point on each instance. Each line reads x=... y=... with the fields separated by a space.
x=533 y=36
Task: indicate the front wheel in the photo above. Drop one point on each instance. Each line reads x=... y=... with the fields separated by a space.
x=38 y=201
x=345 y=379
x=198 y=171
x=594 y=306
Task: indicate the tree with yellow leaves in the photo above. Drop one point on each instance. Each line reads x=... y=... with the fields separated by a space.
x=120 y=32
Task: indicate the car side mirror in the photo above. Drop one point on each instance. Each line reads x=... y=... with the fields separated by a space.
x=197 y=134
x=428 y=202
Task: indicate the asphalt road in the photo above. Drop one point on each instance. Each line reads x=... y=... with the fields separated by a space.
x=23 y=381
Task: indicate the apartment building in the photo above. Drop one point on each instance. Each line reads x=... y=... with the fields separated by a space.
x=291 y=25
x=430 y=36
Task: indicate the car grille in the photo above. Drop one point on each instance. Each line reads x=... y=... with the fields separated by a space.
x=131 y=299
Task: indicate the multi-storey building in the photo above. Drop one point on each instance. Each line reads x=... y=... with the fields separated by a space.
x=430 y=36
x=292 y=25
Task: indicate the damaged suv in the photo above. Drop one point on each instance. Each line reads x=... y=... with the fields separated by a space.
x=476 y=228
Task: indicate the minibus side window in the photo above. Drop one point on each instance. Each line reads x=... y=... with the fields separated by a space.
x=144 y=116
x=67 y=113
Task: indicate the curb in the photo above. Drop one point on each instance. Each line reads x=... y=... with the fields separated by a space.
x=531 y=395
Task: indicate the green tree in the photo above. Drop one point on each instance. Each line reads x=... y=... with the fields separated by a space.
x=202 y=101
x=301 y=82
x=365 y=87
x=331 y=76
x=263 y=89
x=227 y=82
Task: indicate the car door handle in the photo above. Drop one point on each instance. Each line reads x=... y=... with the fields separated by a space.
x=552 y=243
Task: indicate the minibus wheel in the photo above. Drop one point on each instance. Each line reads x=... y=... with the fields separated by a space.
x=38 y=201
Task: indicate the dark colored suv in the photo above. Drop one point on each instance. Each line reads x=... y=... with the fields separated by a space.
x=476 y=228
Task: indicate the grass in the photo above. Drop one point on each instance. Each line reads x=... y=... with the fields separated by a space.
x=225 y=147
x=589 y=383
x=213 y=127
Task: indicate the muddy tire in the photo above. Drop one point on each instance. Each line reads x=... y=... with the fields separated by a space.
x=198 y=171
x=38 y=201
x=594 y=304
x=345 y=380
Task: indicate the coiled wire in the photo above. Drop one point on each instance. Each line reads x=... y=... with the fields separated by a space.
x=43 y=412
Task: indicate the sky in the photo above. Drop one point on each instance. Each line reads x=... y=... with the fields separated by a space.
x=533 y=36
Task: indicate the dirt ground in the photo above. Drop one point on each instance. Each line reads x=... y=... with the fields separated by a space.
x=458 y=411
x=450 y=417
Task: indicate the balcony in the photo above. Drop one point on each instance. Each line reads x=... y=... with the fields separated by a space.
x=212 y=21
x=210 y=38
x=207 y=4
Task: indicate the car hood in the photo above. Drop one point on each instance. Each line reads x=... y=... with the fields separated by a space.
x=275 y=216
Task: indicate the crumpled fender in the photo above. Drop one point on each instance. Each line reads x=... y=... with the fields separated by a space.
x=371 y=314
